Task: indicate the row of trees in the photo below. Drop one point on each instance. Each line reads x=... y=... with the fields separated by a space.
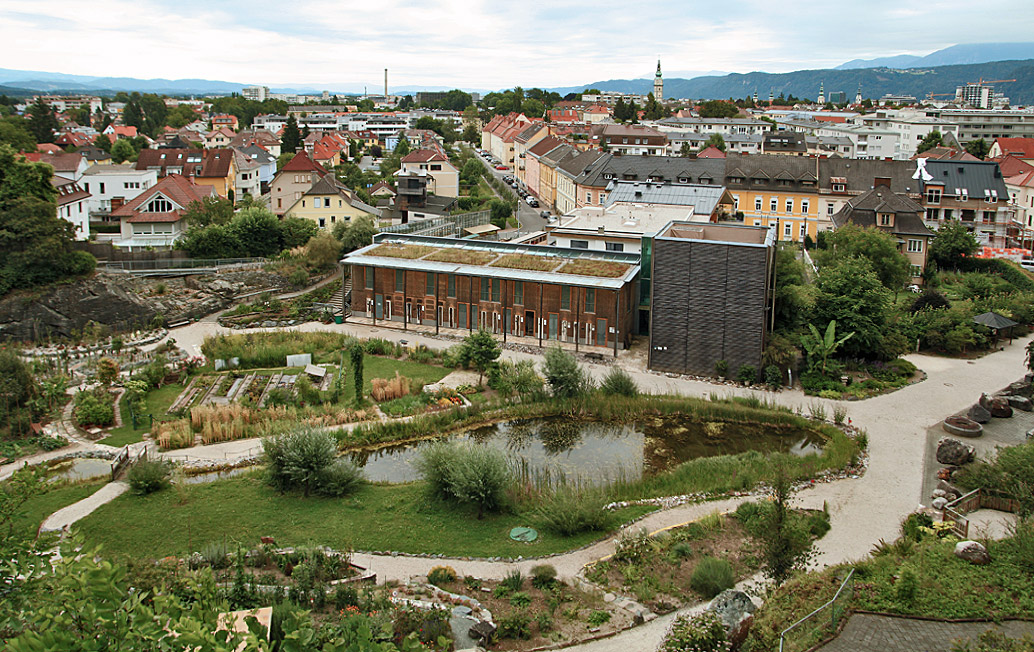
x=216 y=231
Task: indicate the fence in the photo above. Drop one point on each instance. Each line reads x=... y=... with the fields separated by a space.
x=447 y=226
x=159 y=264
x=837 y=608
x=955 y=511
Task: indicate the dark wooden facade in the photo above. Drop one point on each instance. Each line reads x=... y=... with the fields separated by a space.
x=505 y=306
x=711 y=302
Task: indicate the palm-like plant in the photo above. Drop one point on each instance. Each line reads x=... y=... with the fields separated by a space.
x=823 y=346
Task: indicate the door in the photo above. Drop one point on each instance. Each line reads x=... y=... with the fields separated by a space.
x=601 y=332
x=554 y=326
x=463 y=316
x=378 y=301
x=507 y=316
x=387 y=309
x=529 y=323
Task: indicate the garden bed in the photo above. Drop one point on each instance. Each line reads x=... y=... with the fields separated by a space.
x=589 y=267
x=526 y=262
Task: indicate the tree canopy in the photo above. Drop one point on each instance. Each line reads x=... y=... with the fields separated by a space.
x=292 y=137
x=42 y=121
x=717 y=109
x=878 y=247
x=252 y=232
x=952 y=244
x=850 y=292
x=929 y=141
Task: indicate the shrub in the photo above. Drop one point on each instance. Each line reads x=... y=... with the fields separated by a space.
x=474 y=474
x=682 y=550
x=544 y=621
x=907 y=587
x=520 y=599
x=91 y=410
x=632 y=547
x=619 y=382
x=515 y=379
x=566 y=379
x=515 y=625
x=839 y=414
x=345 y=596
x=149 y=476
x=298 y=278
x=429 y=625
x=712 y=576
x=543 y=576
x=216 y=555
x=721 y=368
x=773 y=377
x=440 y=575
x=598 y=617
x=930 y=300
x=340 y=479
x=306 y=459
x=383 y=389
x=513 y=581
x=747 y=374
x=568 y=512
x=702 y=633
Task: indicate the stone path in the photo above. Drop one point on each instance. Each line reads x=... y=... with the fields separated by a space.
x=65 y=516
x=872 y=633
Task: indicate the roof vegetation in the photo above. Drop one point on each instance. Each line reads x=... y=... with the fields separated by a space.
x=524 y=261
x=589 y=267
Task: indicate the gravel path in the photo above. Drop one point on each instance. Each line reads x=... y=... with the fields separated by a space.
x=65 y=516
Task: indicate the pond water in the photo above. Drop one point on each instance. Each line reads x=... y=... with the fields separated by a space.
x=79 y=468
x=599 y=453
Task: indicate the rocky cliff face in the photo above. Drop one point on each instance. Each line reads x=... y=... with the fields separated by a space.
x=121 y=302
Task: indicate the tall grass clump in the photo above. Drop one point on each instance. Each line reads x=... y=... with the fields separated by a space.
x=567 y=511
x=149 y=476
x=306 y=460
x=384 y=389
x=174 y=434
x=712 y=576
x=466 y=474
x=619 y=382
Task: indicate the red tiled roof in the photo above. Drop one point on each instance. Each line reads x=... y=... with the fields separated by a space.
x=49 y=148
x=1023 y=179
x=122 y=131
x=711 y=152
x=61 y=162
x=1011 y=166
x=423 y=156
x=302 y=163
x=176 y=187
x=215 y=163
x=545 y=145
x=1022 y=147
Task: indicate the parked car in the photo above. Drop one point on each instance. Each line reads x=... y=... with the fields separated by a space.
x=544 y=215
x=534 y=203
x=501 y=167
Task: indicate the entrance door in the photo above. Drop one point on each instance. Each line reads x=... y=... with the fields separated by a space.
x=379 y=306
x=554 y=326
x=529 y=323
x=506 y=321
x=601 y=332
x=463 y=316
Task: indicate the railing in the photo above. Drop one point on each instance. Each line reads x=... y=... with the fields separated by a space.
x=836 y=610
x=955 y=511
x=181 y=263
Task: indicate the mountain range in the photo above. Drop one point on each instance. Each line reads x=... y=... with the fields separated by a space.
x=950 y=56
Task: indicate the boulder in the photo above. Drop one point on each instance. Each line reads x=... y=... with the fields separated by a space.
x=736 y=611
x=1030 y=434
x=1020 y=388
x=939 y=493
x=1000 y=408
x=1019 y=402
x=939 y=503
x=482 y=631
x=985 y=402
x=948 y=488
x=954 y=452
x=979 y=413
x=973 y=552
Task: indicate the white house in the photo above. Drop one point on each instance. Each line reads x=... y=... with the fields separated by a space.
x=72 y=206
x=111 y=186
x=444 y=177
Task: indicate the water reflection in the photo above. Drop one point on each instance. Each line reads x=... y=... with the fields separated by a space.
x=79 y=468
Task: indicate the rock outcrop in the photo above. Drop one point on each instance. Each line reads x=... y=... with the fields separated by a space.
x=954 y=452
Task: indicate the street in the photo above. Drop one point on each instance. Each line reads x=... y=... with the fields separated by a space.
x=529 y=218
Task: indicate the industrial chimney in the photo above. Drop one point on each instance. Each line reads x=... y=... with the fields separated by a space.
x=385 y=83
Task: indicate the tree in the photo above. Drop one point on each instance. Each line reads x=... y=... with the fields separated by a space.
x=952 y=243
x=686 y=150
x=878 y=247
x=929 y=141
x=717 y=109
x=850 y=293
x=716 y=141
x=17 y=384
x=500 y=212
x=533 y=108
x=23 y=485
x=31 y=232
x=14 y=131
x=20 y=179
x=820 y=347
x=978 y=148
x=323 y=251
x=356 y=354
x=621 y=110
x=653 y=110
x=786 y=548
x=292 y=138
x=42 y=121
x=479 y=350
x=209 y=211
x=794 y=298
x=103 y=143
x=563 y=375
x=107 y=371
x=355 y=234
x=403 y=148
x=121 y=151
x=258 y=232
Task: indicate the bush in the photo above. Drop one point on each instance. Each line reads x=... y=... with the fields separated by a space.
x=568 y=512
x=306 y=459
x=520 y=599
x=440 y=575
x=216 y=555
x=619 y=382
x=712 y=576
x=598 y=617
x=92 y=410
x=543 y=576
x=513 y=581
x=345 y=596
x=633 y=547
x=747 y=374
x=515 y=379
x=515 y=625
x=149 y=476
x=340 y=479
x=474 y=474
x=721 y=368
x=773 y=377
x=701 y=633
x=566 y=379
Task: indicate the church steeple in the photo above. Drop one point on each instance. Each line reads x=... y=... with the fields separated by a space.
x=858 y=95
x=822 y=92
x=658 y=84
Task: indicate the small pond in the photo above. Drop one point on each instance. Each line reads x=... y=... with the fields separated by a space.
x=600 y=452
x=79 y=468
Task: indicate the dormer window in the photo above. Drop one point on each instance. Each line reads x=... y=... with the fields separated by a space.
x=159 y=205
x=885 y=219
x=933 y=195
x=838 y=187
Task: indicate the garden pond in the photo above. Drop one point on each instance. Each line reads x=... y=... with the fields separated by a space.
x=598 y=452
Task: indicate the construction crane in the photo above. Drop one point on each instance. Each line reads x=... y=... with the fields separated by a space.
x=930 y=96
x=992 y=81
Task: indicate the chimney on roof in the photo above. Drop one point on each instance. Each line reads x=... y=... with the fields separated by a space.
x=881 y=181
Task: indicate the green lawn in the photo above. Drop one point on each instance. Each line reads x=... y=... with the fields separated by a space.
x=158 y=403
x=378 y=367
x=40 y=507
x=379 y=517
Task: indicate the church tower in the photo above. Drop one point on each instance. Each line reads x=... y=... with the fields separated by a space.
x=822 y=92
x=858 y=95
x=658 y=84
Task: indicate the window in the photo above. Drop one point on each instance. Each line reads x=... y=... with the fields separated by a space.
x=773 y=204
x=886 y=219
x=579 y=244
x=735 y=202
x=787 y=230
x=323 y=222
x=949 y=214
x=430 y=283
x=989 y=217
x=452 y=286
x=757 y=222
x=757 y=204
x=805 y=205
x=933 y=213
x=518 y=292
x=368 y=278
x=159 y=205
x=829 y=209
x=565 y=297
x=803 y=231
x=315 y=202
x=400 y=280
x=789 y=205
x=615 y=246
x=916 y=271
x=485 y=290
x=495 y=290
x=590 y=300
x=838 y=187
x=588 y=197
x=102 y=187
x=933 y=195
x=915 y=246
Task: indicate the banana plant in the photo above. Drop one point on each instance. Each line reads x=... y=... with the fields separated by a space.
x=823 y=346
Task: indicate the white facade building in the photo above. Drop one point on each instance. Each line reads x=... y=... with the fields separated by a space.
x=111 y=186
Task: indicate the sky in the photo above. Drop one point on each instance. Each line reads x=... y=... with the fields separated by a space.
x=479 y=44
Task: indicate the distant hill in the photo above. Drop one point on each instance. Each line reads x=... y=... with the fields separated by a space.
x=950 y=56
x=875 y=82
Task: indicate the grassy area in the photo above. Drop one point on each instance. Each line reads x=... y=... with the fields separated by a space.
x=158 y=403
x=379 y=517
x=40 y=507
x=587 y=267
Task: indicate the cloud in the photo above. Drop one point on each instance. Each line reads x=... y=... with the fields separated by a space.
x=473 y=43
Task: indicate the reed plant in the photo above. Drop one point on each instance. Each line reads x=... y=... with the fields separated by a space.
x=384 y=389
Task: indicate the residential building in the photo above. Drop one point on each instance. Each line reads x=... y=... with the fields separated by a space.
x=841 y=179
x=777 y=191
x=887 y=211
x=413 y=202
x=532 y=160
x=443 y=177
x=329 y=201
x=710 y=126
x=256 y=168
x=115 y=132
x=1021 y=148
x=619 y=227
x=628 y=139
x=972 y=192
x=911 y=127
x=709 y=203
x=499 y=134
x=566 y=174
x=72 y=206
x=698 y=317
x=988 y=124
x=226 y=120
x=154 y=219
x=211 y=167
x=219 y=138
x=524 y=141
x=528 y=291
x=255 y=93
x=548 y=164
x=111 y=186
x=295 y=178
x=591 y=186
x=266 y=139
x=67 y=165
x=1021 y=197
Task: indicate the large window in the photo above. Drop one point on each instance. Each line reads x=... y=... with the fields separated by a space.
x=430 y=283
x=518 y=292
x=565 y=297
x=400 y=280
x=495 y=289
x=579 y=244
x=368 y=278
x=590 y=300
x=485 y=290
x=773 y=204
x=933 y=195
x=615 y=246
x=452 y=286
x=915 y=246
x=158 y=205
x=757 y=204
x=789 y=205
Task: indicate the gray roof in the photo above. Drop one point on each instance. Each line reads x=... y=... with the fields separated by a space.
x=557 y=154
x=641 y=168
x=574 y=165
x=975 y=177
x=862 y=211
x=703 y=199
x=770 y=171
x=861 y=174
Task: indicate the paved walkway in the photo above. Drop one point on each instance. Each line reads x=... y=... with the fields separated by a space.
x=871 y=633
x=65 y=516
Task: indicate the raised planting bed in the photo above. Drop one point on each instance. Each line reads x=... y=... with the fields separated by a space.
x=588 y=267
x=462 y=256
x=524 y=261
x=400 y=251
x=962 y=427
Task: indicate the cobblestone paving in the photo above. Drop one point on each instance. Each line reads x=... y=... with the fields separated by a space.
x=871 y=633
